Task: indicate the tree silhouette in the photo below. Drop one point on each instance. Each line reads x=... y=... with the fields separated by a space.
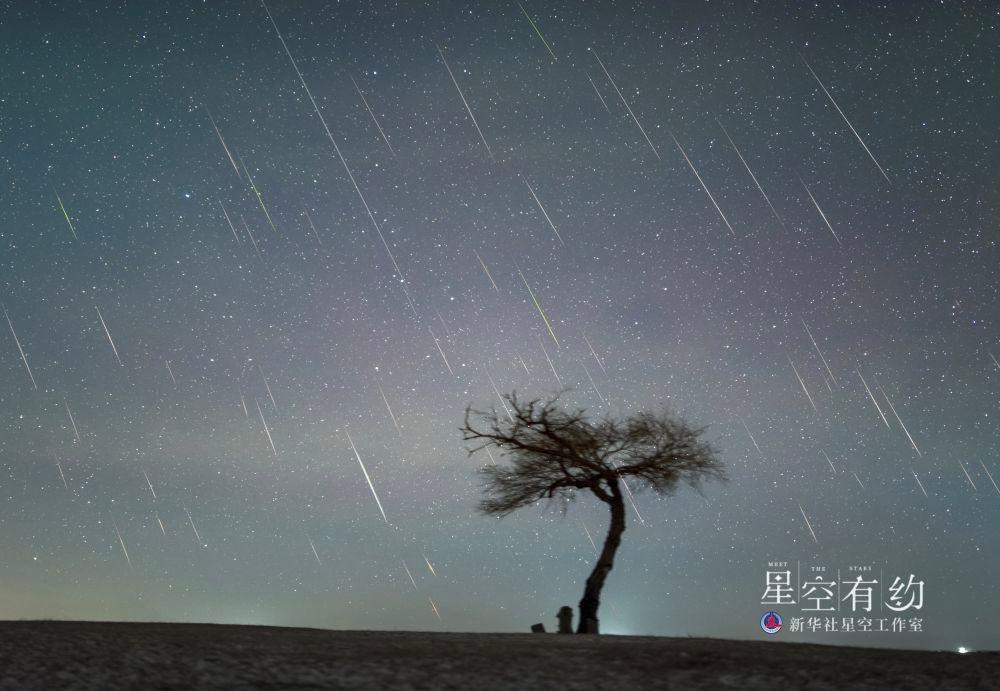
x=555 y=453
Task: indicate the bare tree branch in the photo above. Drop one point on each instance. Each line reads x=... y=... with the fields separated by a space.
x=553 y=452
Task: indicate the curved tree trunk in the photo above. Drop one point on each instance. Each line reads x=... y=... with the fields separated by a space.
x=595 y=582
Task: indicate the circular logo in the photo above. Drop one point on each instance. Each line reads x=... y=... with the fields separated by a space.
x=770 y=622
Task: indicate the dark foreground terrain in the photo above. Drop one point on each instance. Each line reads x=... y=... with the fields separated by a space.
x=54 y=654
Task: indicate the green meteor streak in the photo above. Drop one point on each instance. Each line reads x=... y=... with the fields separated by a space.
x=259 y=198
x=535 y=27
x=66 y=216
x=548 y=324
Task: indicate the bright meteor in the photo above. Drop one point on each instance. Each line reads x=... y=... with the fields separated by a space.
x=548 y=324
x=468 y=109
x=535 y=27
x=367 y=477
x=66 y=216
x=858 y=136
x=260 y=199
x=108 y=334
x=24 y=358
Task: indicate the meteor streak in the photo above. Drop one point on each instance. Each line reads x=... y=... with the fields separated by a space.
x=260 y=199
x=816 y=204
x=627 y=106
x=443 y=357
x=66 y=216
x=490 y=454
x=267 y=386
x=548 y=324
x=872 y=396
x=549 y=360
x=596 y=390
x=434 y=607
x=893 y=409
x=386 y=401
x=858 y=136
x=990 y=476
x=524 y=365
x=826 y=382
x=407 y=568
x=589 y=537
x=266 y=430
x=365 y=471
x=967 y=476
x=311 y=225
x=544 y=213
x=802 y=383
x=59 y=465
x=829 y=461
x=108 y=334
x=825 y=363
x=919 y=483
x=535 y=27
x=343 y=161
x=444 y=324
x=231 y=226
x=365 y=101
x=702 y=183
x=191 y=520
x=857 y=478
x=752 y=176
x=246 y=227
x=120 y=540
x=592 y=352
x=749 y=434
x=171 y=372
x=603 y=102
x=223 y=142
x=488 y=275
x=24 y=358
x=314 y=550
x=808 y=524
x=151 y=490
x=429 y=565
x=467 y=108
x=497 y=392
x=631 y=499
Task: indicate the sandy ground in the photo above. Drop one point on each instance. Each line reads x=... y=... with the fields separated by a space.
x=56 y=654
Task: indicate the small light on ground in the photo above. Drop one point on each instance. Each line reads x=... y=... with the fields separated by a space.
x=962 y=649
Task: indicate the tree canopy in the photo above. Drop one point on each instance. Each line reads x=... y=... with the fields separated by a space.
x=552 y=452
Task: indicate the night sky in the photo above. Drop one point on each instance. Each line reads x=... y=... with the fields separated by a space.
x=207 y=314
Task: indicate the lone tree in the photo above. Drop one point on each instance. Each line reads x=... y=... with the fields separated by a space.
x=554 y=453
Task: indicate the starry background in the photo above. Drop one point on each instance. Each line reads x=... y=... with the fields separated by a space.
x=109 y=108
